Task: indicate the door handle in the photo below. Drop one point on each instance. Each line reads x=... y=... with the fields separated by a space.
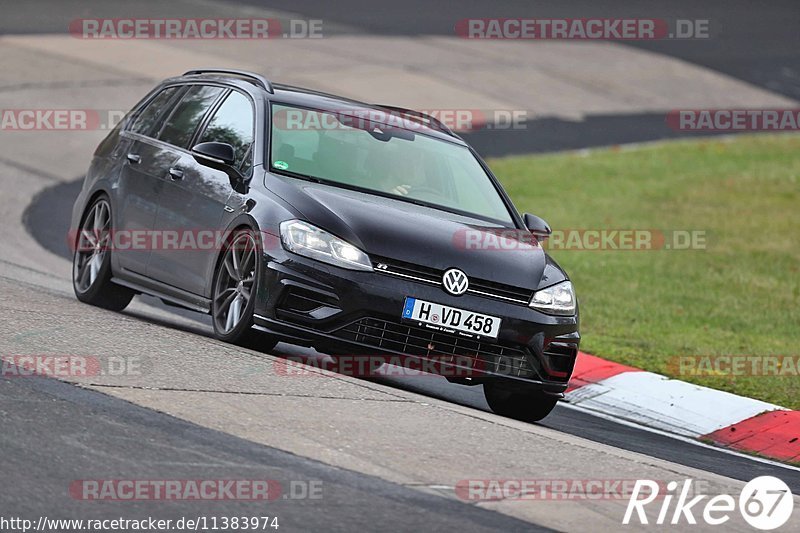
x=135 y=159
x=176 y=173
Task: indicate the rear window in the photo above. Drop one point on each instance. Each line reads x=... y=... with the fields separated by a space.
x=188 y=114
x=152 y=111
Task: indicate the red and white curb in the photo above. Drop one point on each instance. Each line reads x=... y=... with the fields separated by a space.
x=681 y=408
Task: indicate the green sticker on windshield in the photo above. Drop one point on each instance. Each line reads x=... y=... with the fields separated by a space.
x=280 y=165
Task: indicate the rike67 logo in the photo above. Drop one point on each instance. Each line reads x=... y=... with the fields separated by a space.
x=766 y=503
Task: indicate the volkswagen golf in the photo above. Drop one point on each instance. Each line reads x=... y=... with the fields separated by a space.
x=297 y=216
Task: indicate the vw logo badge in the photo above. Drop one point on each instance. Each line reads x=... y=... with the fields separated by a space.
x=455 y=281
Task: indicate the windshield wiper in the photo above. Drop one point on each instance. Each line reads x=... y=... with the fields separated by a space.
x=298 y=175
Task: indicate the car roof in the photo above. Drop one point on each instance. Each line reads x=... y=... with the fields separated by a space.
x=287 y=94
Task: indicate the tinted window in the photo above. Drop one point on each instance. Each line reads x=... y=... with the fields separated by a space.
x=154 y=109
x=187 y=115
x=233 y=124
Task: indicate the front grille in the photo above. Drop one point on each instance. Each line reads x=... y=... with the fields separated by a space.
x=433 y=276
x=403 y=269
x=443 y=347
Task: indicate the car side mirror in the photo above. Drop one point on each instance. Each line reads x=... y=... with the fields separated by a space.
x=537 y=226
x=220 y=156
x=214 y=154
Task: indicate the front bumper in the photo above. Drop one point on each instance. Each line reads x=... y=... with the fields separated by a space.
x=341 y=311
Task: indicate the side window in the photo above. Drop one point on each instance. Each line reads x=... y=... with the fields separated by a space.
x=233 y=124
x=188 y=114
x=149 y=115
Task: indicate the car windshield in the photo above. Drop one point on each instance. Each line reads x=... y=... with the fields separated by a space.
x=394 y=161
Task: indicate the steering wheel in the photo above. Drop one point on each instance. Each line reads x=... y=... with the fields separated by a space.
x=426 y=190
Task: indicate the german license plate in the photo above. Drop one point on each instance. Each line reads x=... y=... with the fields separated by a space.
x=445 y=317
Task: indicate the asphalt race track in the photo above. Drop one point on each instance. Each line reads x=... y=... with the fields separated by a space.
x=147 y=443
x=51 y=208
x=388 y=452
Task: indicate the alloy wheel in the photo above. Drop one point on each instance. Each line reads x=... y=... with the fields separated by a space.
x=92 y=246
x=234 y=285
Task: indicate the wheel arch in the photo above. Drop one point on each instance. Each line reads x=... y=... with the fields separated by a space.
x=92 y=198
x=241 y=222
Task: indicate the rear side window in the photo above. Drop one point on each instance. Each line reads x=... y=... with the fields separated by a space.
x=155 y=108
x=233 y=124
x=188 y=114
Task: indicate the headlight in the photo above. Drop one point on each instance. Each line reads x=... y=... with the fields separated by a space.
x=556 y=300
x=304 y=239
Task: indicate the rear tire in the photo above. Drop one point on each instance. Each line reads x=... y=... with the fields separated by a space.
x=234 y=291
x=526 y=406
x=91 y=261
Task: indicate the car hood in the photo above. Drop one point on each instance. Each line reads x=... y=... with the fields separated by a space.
x=395 y=229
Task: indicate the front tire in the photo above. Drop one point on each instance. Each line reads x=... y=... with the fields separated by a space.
x=234 y=292
x=526 y=406
x=91 y=262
